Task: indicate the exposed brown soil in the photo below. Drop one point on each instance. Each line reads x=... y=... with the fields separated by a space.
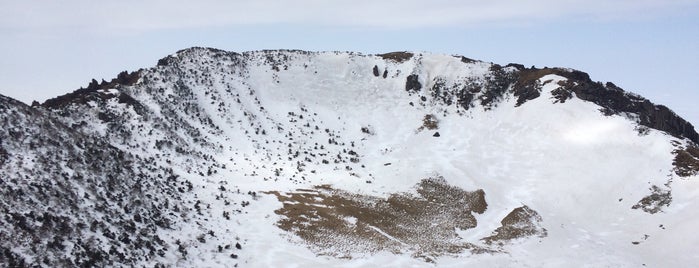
x=654 y=202
x=339 y=223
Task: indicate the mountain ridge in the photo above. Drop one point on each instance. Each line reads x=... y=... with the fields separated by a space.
x=271 y=158
x=611 y=98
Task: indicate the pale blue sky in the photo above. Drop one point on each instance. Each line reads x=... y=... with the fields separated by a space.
x=650 y=47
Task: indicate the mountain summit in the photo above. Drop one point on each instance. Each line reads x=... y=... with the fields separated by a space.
x=286 y=157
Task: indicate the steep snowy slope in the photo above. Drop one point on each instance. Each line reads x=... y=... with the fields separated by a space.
x=343 y=159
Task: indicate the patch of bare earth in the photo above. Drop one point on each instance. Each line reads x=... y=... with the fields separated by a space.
x=342 y=224
x=398 y=57
x=654 y=202
x=686 y=161
x=429 y=122
x=521 y=222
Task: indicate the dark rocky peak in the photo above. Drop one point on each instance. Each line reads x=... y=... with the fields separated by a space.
x=96 y=91
x=466 y=60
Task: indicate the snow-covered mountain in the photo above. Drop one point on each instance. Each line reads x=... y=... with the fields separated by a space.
x=296 y=158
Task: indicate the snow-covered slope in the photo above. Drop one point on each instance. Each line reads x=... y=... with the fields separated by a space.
x=295 y=158
x=74 y=200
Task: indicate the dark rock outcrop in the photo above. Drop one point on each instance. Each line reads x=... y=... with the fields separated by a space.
x=686 y=161
x=615 y=100
x=611 y=98
x=412 y=84
x=83 y=95
x=398 y=57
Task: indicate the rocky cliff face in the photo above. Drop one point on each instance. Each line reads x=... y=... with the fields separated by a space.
x=176 y=164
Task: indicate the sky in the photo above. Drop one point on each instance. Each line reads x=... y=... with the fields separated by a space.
x=650 y=47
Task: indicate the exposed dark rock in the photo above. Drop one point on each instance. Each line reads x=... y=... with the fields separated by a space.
x=464 y=97
x=78 y=96
x=412 y=84
x=611 y=98
x=467 y=60
x=496 y=84
x=528 y=86
x=165 y=61
x=614 y=100
x=126 y=78
x=436 y=134
x=562 y=93
x=516 y=66
x=441 y=92
x=3 y=154
x=125 y=98
x=83 y=95
x=527 y=92
x=105 y=117
x=11 y=259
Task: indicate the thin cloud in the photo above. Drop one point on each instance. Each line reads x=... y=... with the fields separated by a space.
x=139 y=16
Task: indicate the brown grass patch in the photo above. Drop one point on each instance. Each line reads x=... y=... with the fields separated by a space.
x=686 y=161
x=429 y=122
x=398 y=57
x=338 y=223
x=654 y=202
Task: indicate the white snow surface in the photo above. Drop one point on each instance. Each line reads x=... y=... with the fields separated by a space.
x=580 y=170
